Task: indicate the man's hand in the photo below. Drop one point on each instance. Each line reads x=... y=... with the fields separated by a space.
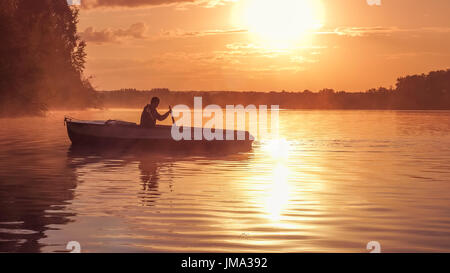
x=170 y=110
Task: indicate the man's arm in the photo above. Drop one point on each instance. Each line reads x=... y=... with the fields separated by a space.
x=160 y=117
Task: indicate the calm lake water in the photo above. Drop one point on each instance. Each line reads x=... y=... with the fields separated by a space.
x=332 y=182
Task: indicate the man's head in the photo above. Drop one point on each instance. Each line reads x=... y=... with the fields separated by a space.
x=155 y=102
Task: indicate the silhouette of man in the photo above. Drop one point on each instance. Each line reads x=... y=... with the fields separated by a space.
x=150 y=114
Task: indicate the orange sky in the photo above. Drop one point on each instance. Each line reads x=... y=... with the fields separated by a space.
x=262 y=46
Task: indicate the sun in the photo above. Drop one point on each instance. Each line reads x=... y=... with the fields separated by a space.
x=282 y=22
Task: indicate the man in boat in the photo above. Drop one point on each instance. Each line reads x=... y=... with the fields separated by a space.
x=150 y=114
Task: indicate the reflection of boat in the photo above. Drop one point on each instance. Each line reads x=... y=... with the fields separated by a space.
x=92 y=160
x=119 y=133
x=158 y=170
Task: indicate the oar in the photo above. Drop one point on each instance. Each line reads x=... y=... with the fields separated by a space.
x=173 y=120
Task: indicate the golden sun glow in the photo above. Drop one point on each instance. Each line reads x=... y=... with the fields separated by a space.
x=282 y=23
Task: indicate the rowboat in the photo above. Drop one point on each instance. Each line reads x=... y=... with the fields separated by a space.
x=114 y=133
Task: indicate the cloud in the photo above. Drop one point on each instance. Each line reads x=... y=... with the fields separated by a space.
x=428 y=54
x=253 y=56
x=181 y=33
x=135 y=31
x=129 y=3
x=142 y=3
x=360 y=31
x=378 y=30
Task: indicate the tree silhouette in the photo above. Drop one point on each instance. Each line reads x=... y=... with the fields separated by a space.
x=42 y=58
x=418 y=92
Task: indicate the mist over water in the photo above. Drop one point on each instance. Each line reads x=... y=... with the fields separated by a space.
x=332 y=181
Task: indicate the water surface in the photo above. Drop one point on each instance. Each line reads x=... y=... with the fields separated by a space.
x=331 y=182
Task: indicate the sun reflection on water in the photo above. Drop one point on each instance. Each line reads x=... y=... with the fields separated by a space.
x=277 y=148
x=277 y=191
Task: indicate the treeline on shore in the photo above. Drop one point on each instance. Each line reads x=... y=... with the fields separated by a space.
x=417 y=92
x=42 y=58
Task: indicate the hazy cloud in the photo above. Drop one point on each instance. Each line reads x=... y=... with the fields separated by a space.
x=183 y=33
x=135 y=31
x=142 y=3
x=366 y=31
x=403 y=55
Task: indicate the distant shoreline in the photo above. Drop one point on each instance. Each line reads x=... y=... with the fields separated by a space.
x=417 y=92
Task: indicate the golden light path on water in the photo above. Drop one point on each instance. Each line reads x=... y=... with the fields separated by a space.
x=278 y=187
x=274 y=182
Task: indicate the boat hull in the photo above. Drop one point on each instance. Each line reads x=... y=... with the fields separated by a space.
x=100 y=134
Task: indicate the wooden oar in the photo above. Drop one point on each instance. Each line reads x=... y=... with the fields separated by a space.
x=173 y=120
